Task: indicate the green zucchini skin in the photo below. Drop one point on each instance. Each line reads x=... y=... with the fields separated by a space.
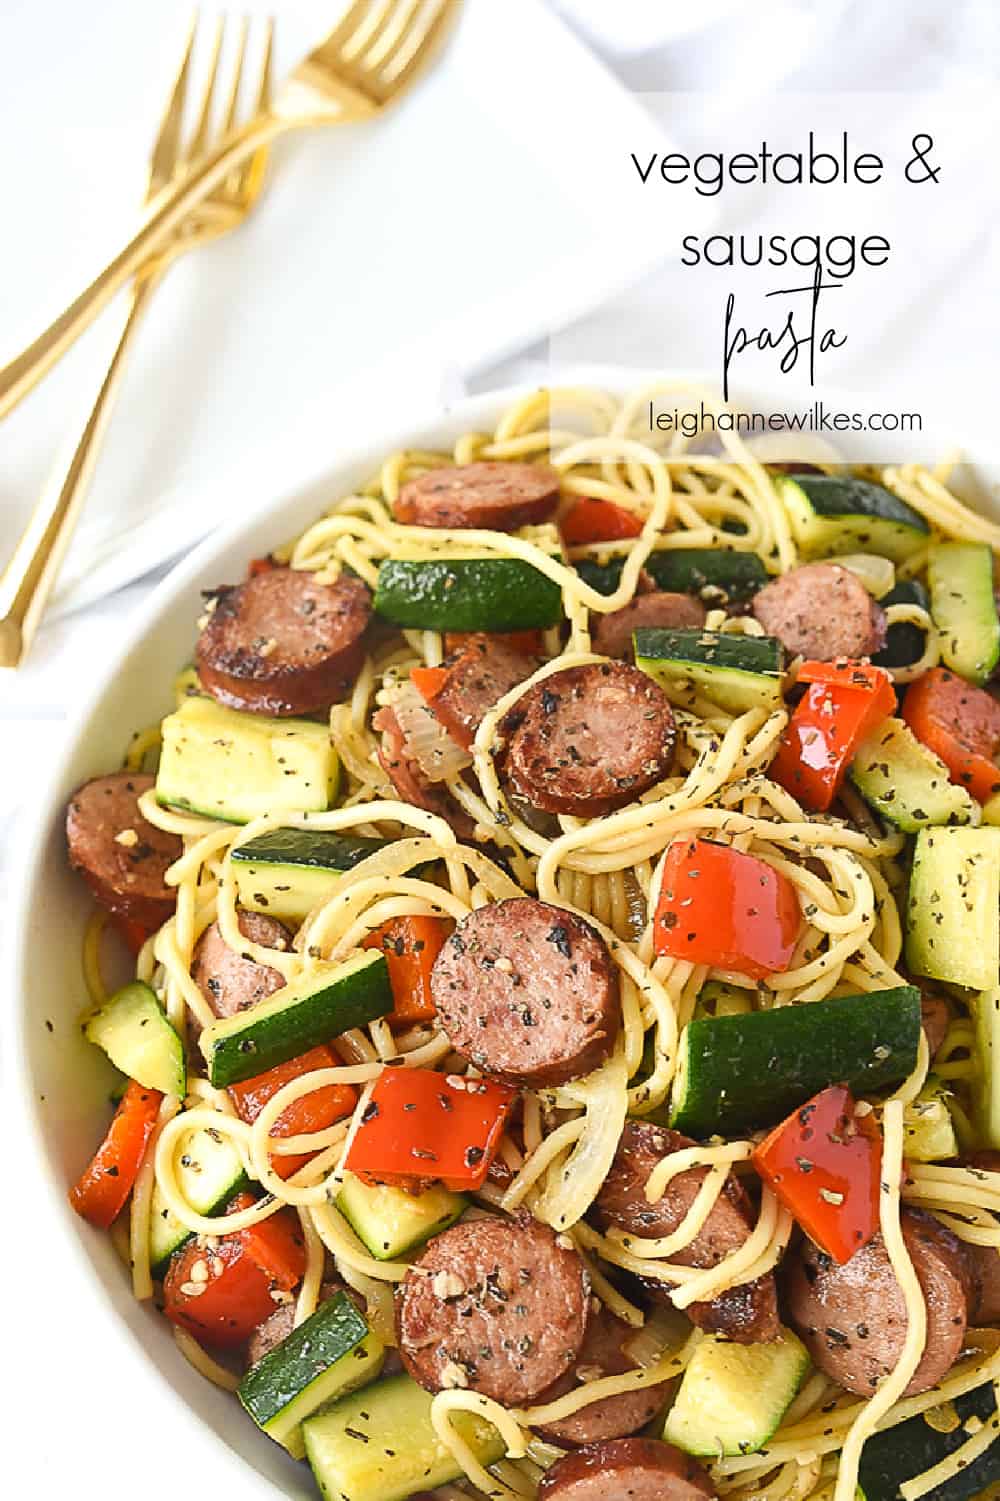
x=904 y=643
x=832 y=513
x=719 y=574
x=910 y=1448
x=467 y=594
x=737 y=1073
x=320 y=848
x=738 y=672
x=294 y=1019
x=960 y=578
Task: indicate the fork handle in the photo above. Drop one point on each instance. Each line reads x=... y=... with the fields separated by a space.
x=164 y=213
x=28 y=579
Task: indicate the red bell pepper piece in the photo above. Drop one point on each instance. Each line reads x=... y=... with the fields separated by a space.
x=221 y=1293
x=529 y=643
x=723 y=908
x=961 y=724
x=313 y=1112
x=100 y=1193
x=591 y=520
x=428 y=681
x=261 y=565
x=133 y=934
x=420 y=1124
x=844 y=702
x=825 y=1164
x=410 y=946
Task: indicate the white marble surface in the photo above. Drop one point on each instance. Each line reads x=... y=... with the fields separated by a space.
x=651 y=46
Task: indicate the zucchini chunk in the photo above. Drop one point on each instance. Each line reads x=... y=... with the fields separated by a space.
x=952 y=930
x=735 y=672
x=288 y=872
x=391 y=1221
x=904 y=643
x=323 y=1003
x=960 y=575
x=380 y=1445
x=986 y=1014
x=909 y=1449
x=466 y=594
x=905 y=782
x=332 y=1353
x=832 y=514
x=133 y=1030
x=733 y=1397
x=222 y=763
x=735 y=1073
x=928 y=1130
x=209 y=1172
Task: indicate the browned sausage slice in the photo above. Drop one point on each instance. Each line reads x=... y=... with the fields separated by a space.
x=283 y=643
x=528 y=992
x=852 y=1318
x=821 y=611
x=477 y=679
x=639 y=1469
x=611 y=635
x=122 y=857
x=232 y=982
x=935 y=1018
x=747 y=1314
x=603 y=1354
x=495 y=497
x=587 y=740
x=495 y=1305
x=408 y=777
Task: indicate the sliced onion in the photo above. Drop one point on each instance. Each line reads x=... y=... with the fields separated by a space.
x=876 y=573
x=439 y=757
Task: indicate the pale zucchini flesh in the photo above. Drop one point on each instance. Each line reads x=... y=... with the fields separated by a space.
x=733 y=1397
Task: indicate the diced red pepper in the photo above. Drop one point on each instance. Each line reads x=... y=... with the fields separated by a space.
x=410 y=946
x=276 y=1245
x=961 y=724
x=529 y=643
x=420 y=1124
x=100 y=1194
x=720 y=907
x=221 y=1294
x=313 y=1112
x=591 y=520
x=134 y=934
x=261 y=565
x=844 y=702
x=824 y=1163
x=428 y=681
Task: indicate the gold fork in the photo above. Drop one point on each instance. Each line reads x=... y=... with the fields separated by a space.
x=28 y=579
x=363 y=65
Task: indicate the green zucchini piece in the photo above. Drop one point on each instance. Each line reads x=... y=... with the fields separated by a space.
x=232 y=766
x=391 y=1221
x=380 y=1445
x=733 y=1397
x=908 y=1449
x=466 y=594
x=985 y=1009
x=323 y=1003
x=831 y=514
x=288 y=872
x=928 y=1129
x=209 y=1173
x=133 y=1030
x=716 y=574
x=905 y=782
x=960 y=577
x=735 y=672
x=952 y=907
x=736 y=1073
x=332 y=1353
x=904 y=643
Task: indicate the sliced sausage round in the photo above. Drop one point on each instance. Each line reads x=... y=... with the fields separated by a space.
x=409 y=779
x=122 y=857
x=587 y=740
x=602 y=1354
x=748 y=1313
x=498 y=1306
x=852 y=1317
x=477 y=679
x=283 y=643
x=628 y=1469
x=528 y=993
x=611 y=635
x=935 y=1018
x=495 y=497
x=232 y=982
x=821 y=611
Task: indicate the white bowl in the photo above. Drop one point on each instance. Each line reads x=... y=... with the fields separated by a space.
x=61 y=1081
